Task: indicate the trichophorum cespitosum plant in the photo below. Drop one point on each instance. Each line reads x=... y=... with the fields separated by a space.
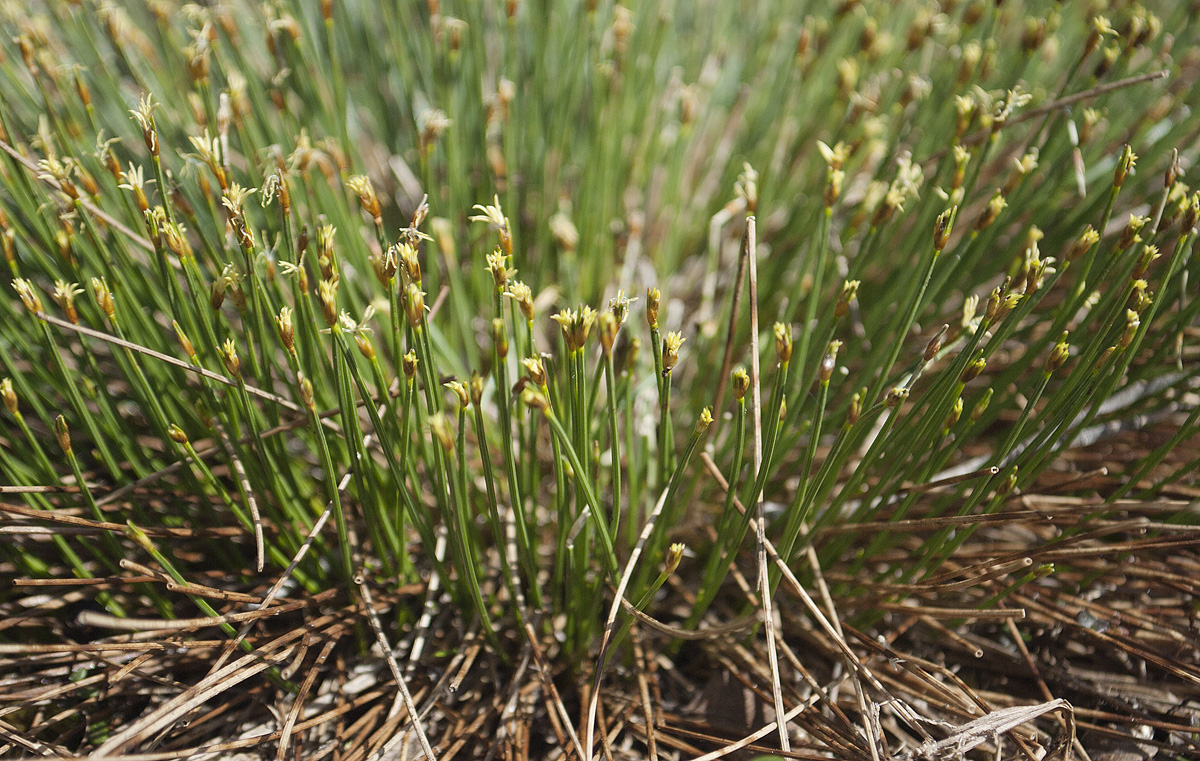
x=547 y=334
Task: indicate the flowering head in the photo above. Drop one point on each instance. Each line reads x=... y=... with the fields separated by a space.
x=494 y=217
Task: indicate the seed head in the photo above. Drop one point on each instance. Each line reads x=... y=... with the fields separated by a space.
x=28 y=55
x=500 y=337
x=935 y=344
x=133 y=181
x=746 y=187
x=439 y=426
x=535 y=400
x=63 y=238
x=306 y=392
x=1174 y=170
x=63 y=434
x=104 y=297
x=409 y=364
x=919 y=29
x=673 y=558
x=962 y=157
x=835 y=157
x=535 y=371
x=380 y=264
x=627 y=354
x=1130 y=234
x=1101 y=28
x=619 y=306
x=177 y=434
x=208 y=152
x=964 y=110
x=1058 y=354
x=995 y=205
x=981 y=405
x=942 y=228
x=608 y=332
x=1132 y=323
x=325 y=252
x=59 y=173
x=198 y=57
x=234 y=199
x=184 y=341
x=327 y=291
x=104 y=153
x=741 y=383
x=365 y=346
x=523 y=295
x=144 y=115
x=1013 y=99
x=1192 y=213
x=1087 y=125
x=1009 y=482
x=9 y=396
x=848 y=71
x=1108 y=59
x=896 y=396
x=287 y=331
x=1141 y=297
x=175 y=236
x=155 y=218
x=970 y=305
x=917 y=89
x=847 y=295
x=1007 y=304
x=783 y=343
x=476 y=387
x=64 y=295
x=1022 y=168
x=29 y=296
x=497 y=265
x=566 y=235
x=414 y=305
x=652 y=297
x=828 y=362
x=494 y=216
x=893 y=201
x=670 y=350
x=217 y=293
x=229 y=357
x=576 y=325
x=275 y=186
x=1149 y=254
x=954 y=414
x=993 y=304
x=460 y=390
x=360 y=329
x=833 y=186
x=409 y=262
x=1084 y=243
x=973 y=370
x=361 y=186
x=1143 y=26
x=1125 y=164
x=82 y=90
x=1035 y=272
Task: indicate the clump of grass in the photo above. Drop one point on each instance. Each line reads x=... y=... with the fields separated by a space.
x=519 y=332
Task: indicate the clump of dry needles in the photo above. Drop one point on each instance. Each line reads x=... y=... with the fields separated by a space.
x=574 y=380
